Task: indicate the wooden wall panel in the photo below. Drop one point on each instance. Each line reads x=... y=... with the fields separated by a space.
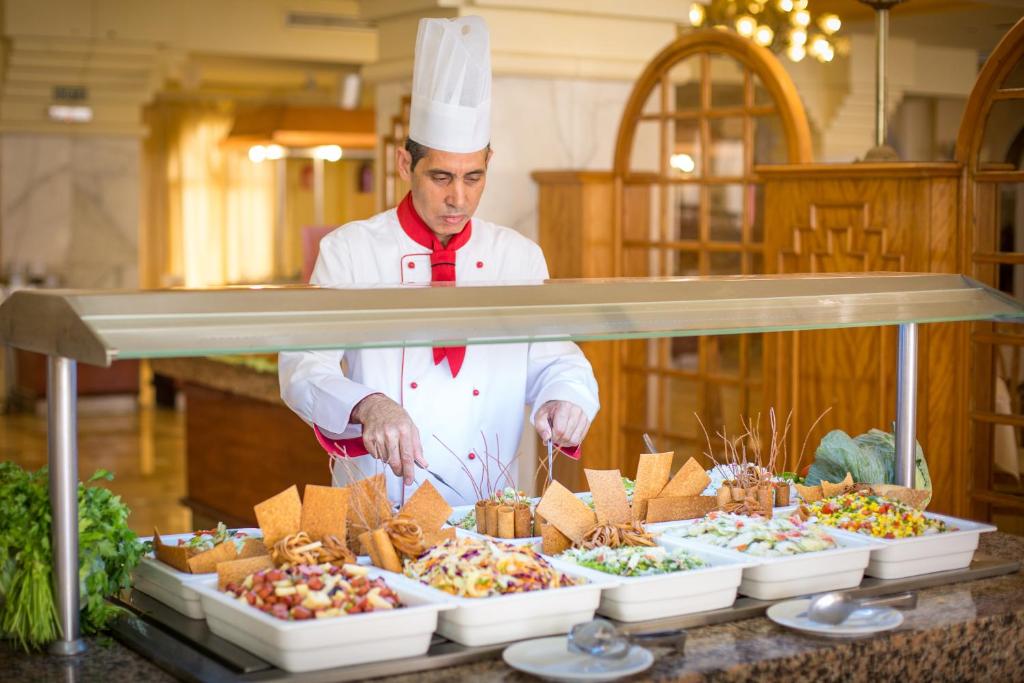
x=575 y=229
x=864 y=218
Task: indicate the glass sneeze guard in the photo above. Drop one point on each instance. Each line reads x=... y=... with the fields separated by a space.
x=99 y=327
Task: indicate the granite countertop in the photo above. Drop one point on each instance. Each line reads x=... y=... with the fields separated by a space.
x=967 y=631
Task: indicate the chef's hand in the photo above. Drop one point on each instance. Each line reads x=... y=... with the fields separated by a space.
x=561 y=422
x=390 y=435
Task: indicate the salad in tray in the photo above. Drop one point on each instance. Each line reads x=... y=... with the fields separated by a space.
x=208 y=539
x=477 y=568
x=757 y=536
x=872 y=516
x=633 y=560
x=314 y=592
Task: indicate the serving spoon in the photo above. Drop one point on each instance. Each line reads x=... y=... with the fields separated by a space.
x=599 y=638
x=836 y=607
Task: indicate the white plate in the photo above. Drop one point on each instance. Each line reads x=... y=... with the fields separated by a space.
x=639 y=598
x=163 y=582
x=505 y=618
x=550 y=659
x=326 y=643
x=774 y=578
x=863 y=622
x=898 y=558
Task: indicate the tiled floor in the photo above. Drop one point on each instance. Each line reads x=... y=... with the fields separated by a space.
x=145 y=450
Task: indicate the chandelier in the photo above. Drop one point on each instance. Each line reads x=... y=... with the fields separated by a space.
x=779 y=25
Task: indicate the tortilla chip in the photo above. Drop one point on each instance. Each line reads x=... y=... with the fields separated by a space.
x=809 y=494
x=324 y=511
x=690 y=480
x=672 y=508
x=427 y=507
x=651 y=476
x=554 y=541
x=438 y=537
x=566 y=512
x=253 y=547
x=828 y=489
x=174 y=555
x=235 y=571
x=280 y=515
x=917 y=498
x=368 y=506
x=207 y=561
x=610 y=501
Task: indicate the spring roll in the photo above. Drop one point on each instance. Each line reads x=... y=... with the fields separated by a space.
x=380 y=540
x=491 y=516
x=481 y=516
x=506 y=522
x=524 y=522
x=782 y=494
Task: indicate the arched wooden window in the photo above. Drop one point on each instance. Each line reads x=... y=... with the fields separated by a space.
x=688 y=201
x=991 y=147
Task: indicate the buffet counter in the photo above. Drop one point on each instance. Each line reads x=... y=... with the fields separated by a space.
x=966 y=631
x=243 y=444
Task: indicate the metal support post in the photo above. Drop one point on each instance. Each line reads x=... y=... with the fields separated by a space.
x=62 y=441
x=906 y=405
x=881 y=46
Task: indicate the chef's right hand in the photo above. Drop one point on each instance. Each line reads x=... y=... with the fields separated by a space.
x=390 y=435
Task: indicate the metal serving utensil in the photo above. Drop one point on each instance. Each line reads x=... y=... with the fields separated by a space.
x=649 y=443
x=836 y=607
x=551 y=460
x=599 y=638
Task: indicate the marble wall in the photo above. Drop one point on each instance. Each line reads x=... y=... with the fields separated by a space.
x=546 y=124
x=69 y=207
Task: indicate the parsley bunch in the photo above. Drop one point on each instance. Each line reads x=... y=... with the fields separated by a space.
x=108 y=551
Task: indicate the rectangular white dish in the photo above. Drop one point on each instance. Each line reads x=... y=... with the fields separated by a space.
x=503 y=618
x=325 y=643
x=898 y=558
x=168 y=585
x=773 y=578
x=638 y=598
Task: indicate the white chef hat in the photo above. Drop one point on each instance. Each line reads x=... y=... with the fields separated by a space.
x=451 y=85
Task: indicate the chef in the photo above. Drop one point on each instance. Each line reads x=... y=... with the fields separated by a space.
x=457 y=411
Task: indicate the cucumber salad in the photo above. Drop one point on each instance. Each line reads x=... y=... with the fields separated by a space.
x=634 y=560
x=776 y=537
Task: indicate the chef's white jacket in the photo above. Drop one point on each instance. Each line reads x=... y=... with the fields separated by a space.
x=466 y=422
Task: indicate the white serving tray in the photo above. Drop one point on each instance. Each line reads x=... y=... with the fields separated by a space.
x=773 y=578
x=326 y=643
x=163 y=582
x=638 y=598
x=504 y=618
x=898 y=558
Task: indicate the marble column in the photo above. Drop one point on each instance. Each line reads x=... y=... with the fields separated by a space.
x=69 y=208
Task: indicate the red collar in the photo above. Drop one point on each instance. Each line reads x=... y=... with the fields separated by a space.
x=420 y=232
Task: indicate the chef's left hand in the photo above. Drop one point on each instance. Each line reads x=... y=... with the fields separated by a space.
x=561 y=422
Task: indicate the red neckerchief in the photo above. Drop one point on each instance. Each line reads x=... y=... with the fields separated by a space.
x=442 y=266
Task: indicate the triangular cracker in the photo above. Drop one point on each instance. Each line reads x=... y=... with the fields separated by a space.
x=566 y=512
x=427 y=507
x=280 y=515
x=324 y=511
x=610 y=501
x=206 y=561
x=690 y=480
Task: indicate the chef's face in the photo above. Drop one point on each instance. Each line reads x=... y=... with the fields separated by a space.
x=446 y=187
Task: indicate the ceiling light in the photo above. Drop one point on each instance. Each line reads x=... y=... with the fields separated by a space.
x=696 y=14
x=745 y=26
x=327 y=152
x=830 y=23
x=682 y=162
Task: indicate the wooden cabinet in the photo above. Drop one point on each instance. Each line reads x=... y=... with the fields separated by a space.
x=861 y=218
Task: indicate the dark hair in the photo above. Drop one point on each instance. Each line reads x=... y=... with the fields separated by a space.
x=418 y=151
